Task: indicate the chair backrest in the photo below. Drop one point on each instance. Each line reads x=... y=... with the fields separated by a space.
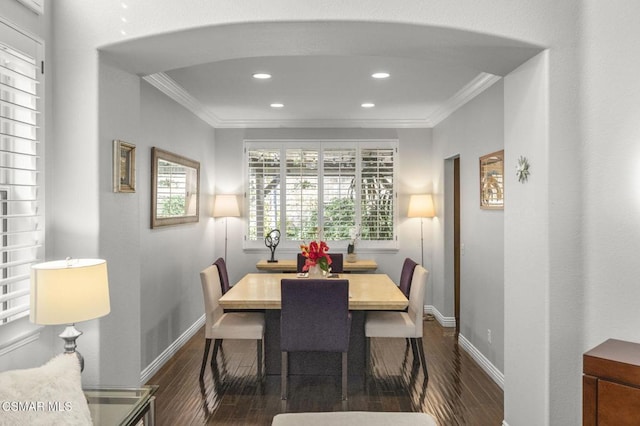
x=222 y=272
x=406 y=276
x=337 y=262
x=416 y=297
x=211 y=292
x=314 y=315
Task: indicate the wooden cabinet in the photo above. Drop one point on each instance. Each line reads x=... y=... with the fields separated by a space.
x=611 y=384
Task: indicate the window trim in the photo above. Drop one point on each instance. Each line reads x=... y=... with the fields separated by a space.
x=292 y=246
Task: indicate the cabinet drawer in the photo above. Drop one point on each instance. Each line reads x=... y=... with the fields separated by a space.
x=618 y=405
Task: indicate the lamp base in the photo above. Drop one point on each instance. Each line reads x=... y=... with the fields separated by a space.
x=69 y=335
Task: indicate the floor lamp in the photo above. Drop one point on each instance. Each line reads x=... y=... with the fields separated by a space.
x=226 y=206
x=421 y=206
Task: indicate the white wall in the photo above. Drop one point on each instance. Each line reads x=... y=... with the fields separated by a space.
x=172 y=257
x=526 y=227
x=414 y=147
x=474 y=130
x=611 y=108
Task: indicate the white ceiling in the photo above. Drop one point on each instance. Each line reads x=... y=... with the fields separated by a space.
x=321 y=72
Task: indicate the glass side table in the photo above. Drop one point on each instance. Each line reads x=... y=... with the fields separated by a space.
x=119 y=406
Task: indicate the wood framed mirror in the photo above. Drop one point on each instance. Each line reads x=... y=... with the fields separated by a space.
x=175 y=189
x=492 y=181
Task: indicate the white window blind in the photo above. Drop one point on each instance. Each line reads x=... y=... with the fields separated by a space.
x=263 y=191
x=377 y=194
x=301 y=197
x=331 y=189
x=20 y=165
x=338 y=192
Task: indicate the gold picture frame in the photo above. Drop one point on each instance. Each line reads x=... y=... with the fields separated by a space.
x=492 y=181
x=124 y=166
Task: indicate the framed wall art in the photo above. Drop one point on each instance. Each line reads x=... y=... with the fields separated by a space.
x=492 y=181
x=124 y=166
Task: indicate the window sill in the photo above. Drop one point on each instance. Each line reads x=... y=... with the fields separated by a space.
x=20 y=340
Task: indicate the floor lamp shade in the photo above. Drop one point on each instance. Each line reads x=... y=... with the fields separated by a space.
x=421 y=206
x=69 y=291
x=226 y=206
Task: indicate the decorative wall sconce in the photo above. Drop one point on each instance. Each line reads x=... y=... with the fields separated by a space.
x=522 y=169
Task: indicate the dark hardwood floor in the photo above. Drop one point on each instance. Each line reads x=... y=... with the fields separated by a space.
x=458 y=392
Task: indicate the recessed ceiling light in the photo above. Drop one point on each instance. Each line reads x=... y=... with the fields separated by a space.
x=262 y=75
x=277 y=105
x=380 y=75
x=368 y=105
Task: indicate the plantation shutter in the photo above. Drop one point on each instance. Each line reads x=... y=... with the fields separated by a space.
x=21 y=219
x=301 y=204
x=264 y=185
x=339 y=189
x=377 y=194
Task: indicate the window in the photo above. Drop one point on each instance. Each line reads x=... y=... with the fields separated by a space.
x=312 y=189
x=20 y=170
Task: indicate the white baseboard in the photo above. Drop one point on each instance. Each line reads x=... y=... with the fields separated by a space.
x=482 y=361
x=504 y=423
x=495 y=374
x=442 y=320
x=157 y=363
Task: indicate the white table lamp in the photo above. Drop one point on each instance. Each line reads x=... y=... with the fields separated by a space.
x=421 y=206
x=69 y=291
x=226 y=205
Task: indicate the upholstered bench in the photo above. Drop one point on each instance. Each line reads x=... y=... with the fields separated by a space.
x=350 y=418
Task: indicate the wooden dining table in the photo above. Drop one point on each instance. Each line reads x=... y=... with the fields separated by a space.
x=367 y=292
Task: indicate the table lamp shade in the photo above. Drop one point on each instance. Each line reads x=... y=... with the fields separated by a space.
x=69 y=291
x=226 y=206
x=421 y=206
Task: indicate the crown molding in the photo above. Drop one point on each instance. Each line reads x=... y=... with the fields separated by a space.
x=476 y=86
x=169 y=87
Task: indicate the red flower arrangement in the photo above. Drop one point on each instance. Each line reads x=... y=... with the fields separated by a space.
x=316 y=254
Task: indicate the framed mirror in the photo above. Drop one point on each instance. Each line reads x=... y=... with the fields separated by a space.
x=175 y=189
x=492 y=181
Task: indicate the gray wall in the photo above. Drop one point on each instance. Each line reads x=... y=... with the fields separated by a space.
x=474 y=130
x=172 y=257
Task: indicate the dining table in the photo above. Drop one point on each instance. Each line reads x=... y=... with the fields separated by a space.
x=367 y=292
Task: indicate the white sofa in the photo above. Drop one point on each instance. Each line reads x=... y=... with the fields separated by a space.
x=47 y=395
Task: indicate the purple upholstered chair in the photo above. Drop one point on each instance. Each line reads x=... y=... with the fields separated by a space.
x=314 y=317
x=337 y=263
x=406 y=275
x=224 y=276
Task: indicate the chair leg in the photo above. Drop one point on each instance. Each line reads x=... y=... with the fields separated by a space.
x=259 y=344
x=344 y=376
x=367 y=356
x=207 y=345
x=423 y=360
x=216 y=346
x=283 y=376
x=414 y=349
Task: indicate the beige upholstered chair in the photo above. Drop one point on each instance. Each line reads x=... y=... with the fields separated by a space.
x=403 y=324
x=229 y=325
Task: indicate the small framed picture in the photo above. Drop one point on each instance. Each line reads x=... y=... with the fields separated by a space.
x=124 y=166
x=492 y=181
